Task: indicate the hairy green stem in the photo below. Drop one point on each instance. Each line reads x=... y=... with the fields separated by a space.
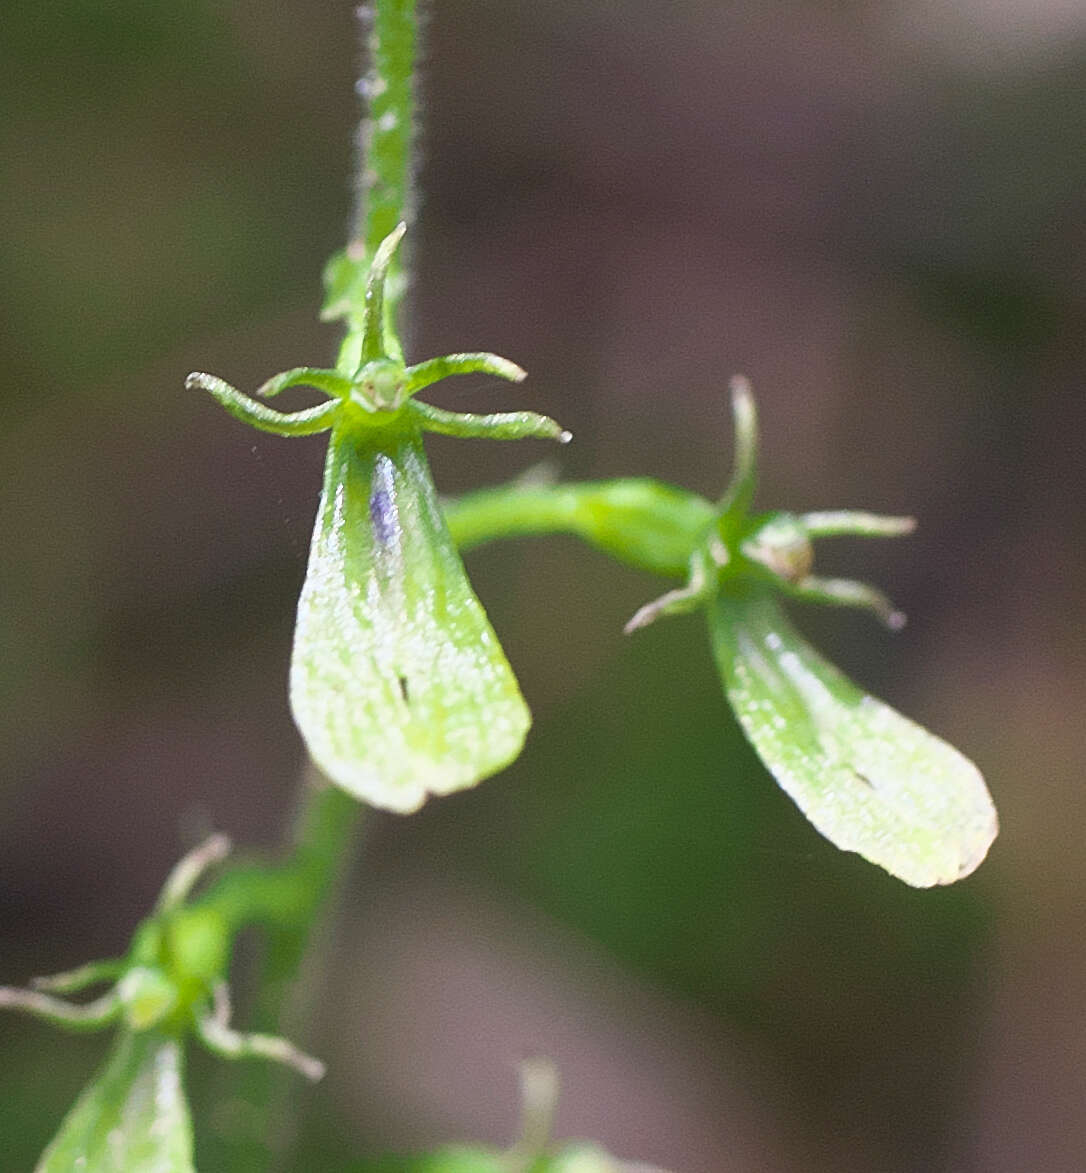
x=384 y=186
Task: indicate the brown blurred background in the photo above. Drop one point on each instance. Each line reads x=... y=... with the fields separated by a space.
x=874 y=210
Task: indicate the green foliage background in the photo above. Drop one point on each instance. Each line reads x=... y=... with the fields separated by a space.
x=874 y=213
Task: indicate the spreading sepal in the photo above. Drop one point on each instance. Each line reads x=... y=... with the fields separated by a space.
x=372 y=386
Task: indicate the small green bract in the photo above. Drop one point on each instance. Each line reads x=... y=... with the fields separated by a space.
x=398 y=683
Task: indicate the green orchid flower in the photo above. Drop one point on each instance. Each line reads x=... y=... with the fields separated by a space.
x=869 y=779
x=133 y=1117
x=398 y=683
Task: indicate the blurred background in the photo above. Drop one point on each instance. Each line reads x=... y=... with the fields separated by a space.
x=876 y=211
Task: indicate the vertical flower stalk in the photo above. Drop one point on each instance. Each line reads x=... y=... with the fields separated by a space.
x=385 y=195
x=384 y=184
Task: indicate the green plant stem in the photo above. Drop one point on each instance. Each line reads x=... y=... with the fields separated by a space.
x=282 y=897
x=384 y=188
x=325 y=831
x=291 y=901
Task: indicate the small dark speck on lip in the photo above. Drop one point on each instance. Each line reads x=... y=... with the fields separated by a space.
x=403 y=689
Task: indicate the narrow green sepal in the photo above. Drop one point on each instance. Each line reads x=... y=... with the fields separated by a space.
x=72 y=981
x=534 y=1151
x=507 y=425
x=739 y=496
x=423 y=374
x=827 y=523
x=374 y=324
x=71 y=1016
x=539 y=1088
x=189 y=870
x=846 y=592
x=348 y=304
x=214 y=1031
x=332 y=382
x=259 y=415
x=681 y=601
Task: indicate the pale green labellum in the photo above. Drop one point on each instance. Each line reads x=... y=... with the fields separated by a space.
x=132 y=1118
x=869 y=779
x=397 y=682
